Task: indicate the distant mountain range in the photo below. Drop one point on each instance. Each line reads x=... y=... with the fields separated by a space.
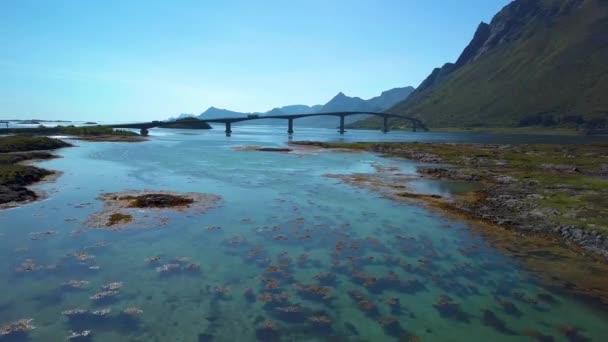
x=536 y=63
x=338 y=103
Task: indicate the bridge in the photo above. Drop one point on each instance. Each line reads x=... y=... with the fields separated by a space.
x=144 y=127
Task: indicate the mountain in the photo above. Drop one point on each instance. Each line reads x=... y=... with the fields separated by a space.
x=181 y=116
x=386 y=100
x=538 y=62
x=339 y=103
x=217 y=113
x=390 y=98
x=342 y=102
x=345 y=103
x=299 y=109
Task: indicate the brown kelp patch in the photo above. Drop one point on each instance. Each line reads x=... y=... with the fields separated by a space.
x=147 y=209
x=20 y=327
x=119 y=218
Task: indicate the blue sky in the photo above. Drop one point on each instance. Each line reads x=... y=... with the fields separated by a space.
x=142 y=60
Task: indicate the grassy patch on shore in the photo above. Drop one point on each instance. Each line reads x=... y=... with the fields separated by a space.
x=20 y=143
x=71 y=130
x=15 y=177
x=530 y=130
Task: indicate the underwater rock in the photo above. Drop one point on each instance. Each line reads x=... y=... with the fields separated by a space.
x=291 y=313
x=81 y=256
x=395 y=305
x=321 y=323
x=168 y=268
x=85 y=335
x=117 y=285
x=448 y=308
x=412 y=286
x=326 y=278
x=98 y=245
x=101 y=312
x=133 y=311
x=249 y=295
x=123 y=209
x=21 y=326
x=152 y=260
x=74 y=312
x=222 y=292
x=267 y=331
x=572 y=333
x=104 y=295
x=391 y=325
x=75 y=284
x=509 y=308
x=315 y=292
x=271 y=299
x=42 y=235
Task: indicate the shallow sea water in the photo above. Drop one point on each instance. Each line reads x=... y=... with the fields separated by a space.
x=293 y=249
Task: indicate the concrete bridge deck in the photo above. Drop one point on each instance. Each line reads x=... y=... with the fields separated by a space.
x=145 y=126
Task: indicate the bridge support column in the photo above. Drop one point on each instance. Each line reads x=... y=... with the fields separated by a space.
x=385 y=124
x=413 y=126
x=228 y=129
x=290 y=126
x=144 y=132
x=342 y=124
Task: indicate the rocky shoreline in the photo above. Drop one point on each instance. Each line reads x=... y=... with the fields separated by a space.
x=16 y=153
x=522 y=187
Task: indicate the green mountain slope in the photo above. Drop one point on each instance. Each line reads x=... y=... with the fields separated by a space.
x=539 y=62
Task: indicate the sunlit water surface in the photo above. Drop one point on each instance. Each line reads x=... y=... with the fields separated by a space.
x=390 y=271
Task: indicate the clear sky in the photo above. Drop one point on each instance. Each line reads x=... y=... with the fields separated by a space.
x=143 y=60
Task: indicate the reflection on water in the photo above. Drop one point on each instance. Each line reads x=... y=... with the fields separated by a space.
x=288 y=255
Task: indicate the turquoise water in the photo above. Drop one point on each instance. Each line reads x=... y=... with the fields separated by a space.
x=389 y=271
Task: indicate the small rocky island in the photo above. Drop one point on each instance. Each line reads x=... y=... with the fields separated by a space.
x=262 y=149
x=147 y=209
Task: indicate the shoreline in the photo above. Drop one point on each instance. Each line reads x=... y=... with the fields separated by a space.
x=18 y=172
x=554 y=261
x=500 y=201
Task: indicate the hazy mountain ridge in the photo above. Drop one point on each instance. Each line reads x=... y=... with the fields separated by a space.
x=537 y=62
x=338 y=103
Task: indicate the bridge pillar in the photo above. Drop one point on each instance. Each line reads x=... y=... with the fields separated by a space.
x=342 y=124
x=144 y=132
x=228 y=129
x=385 y=124
x=413 y=126
x=290 y=126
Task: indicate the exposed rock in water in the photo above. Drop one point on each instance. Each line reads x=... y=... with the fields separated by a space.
x=262 y=149
x=158 y=201
x=124 y=210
